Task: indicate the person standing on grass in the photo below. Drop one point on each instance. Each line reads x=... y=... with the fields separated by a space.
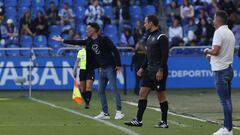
x=107 y=58
x=154 y=72
x=221 y=59
x=86 y=75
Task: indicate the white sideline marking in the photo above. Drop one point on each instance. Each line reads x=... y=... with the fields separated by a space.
x=179 y=124
x=125 y=130
x=179 y=115
x=39 y=125
x=158 y=110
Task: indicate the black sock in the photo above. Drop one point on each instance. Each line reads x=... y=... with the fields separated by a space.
x=84 y=96
x=142 y=104
x=88 y=96
x=164 y=109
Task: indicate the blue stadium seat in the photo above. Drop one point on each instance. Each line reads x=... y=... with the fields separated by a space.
x=114 y=38
x=38 y=3
x=81 y=29
x=40 y=41
x=13 y=53
x=2 y=53
x=26 y=42
x=81 y=3
x=109 y=11
x=80 y=13
x=110 y=29
x=21 y=11
x=10 y=12
x=136 y=14
x=166 y=2
x=135 y=11
x=54 y=29
x=149 y=9
x=10 y=3
x=24 y=3
x=55 y=1
x=53 y=44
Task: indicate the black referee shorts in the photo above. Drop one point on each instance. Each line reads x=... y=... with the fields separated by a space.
x=86 y=75
x=149 y=80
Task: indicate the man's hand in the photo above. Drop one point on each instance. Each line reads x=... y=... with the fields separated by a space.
x=58 y=38
x=159 y=75
x=205 y=51
x=119 y=69
x=140 y=72
x=74 y=74
x=208 y=56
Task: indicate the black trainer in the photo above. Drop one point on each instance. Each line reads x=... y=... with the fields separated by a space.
x=161 y=124
x=134 y=122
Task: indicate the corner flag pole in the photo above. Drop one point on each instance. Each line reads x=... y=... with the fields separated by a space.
x=30 y=71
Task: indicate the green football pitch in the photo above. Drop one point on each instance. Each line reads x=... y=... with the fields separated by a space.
x=54 y=113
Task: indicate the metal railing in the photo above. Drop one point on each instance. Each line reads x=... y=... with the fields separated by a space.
x=78 y=47
x=25 y=48
x=195 y=47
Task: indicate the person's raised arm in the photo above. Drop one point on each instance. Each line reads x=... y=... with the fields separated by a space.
x=72 y=42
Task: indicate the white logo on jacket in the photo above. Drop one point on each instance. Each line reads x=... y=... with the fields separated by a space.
x=96 y=49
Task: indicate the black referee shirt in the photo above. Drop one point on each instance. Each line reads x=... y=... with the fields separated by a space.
x=157 y=51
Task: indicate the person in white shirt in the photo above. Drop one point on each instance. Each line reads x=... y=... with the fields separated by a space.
x=186 y=10
x=221 y=59
x=67 y=16
x=94 y=13
x=175 y=33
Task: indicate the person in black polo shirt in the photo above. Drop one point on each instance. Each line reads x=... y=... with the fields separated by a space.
x=154 y=72
x=106 y=57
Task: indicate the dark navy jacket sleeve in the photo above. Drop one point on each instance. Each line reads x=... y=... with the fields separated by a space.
x=113 y=49
x=76 y=42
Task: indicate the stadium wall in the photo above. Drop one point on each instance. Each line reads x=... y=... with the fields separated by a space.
x=55 y=73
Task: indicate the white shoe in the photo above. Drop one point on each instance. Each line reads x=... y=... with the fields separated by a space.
x=223 y=131
x=119 y=115
x=102 y=116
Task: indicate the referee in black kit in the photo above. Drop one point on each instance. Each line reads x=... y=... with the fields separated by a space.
x=154 y=72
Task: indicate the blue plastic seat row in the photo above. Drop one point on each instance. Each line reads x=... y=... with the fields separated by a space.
x=36 y=3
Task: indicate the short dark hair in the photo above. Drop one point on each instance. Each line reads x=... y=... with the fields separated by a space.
x=153 y=19
x=222 y=15
x=95 y=26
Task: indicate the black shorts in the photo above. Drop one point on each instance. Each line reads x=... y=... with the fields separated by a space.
x=149 y=80
x=86 y=75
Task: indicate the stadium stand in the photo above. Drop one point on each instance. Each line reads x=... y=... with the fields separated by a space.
x=24 y=3
x=10 y=3
x=14 y=9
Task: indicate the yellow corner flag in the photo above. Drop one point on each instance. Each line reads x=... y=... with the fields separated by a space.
x=76 y=96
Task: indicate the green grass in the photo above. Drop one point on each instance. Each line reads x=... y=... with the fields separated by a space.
x=22 y=116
